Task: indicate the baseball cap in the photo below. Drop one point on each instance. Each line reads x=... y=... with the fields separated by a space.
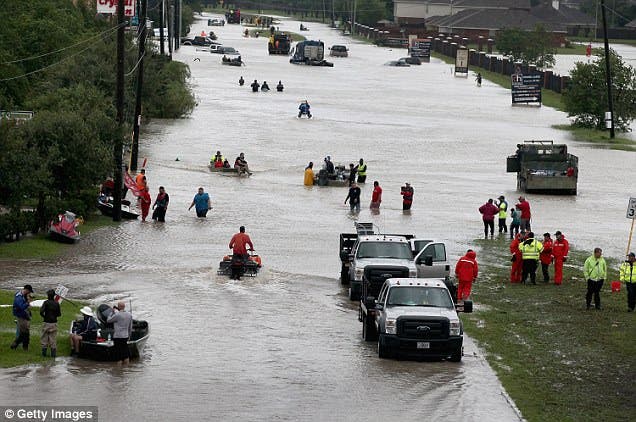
x=28 y=287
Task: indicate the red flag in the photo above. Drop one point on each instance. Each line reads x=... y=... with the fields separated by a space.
x=131 y=185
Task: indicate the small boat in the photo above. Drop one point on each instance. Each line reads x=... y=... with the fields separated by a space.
x=102 y=349
x=235 y=267
x=228 y=171
x=338 y=179
x=105 y=205
x=64 y=228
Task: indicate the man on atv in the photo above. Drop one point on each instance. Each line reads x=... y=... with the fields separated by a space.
x=238 y=244
x=304 y=109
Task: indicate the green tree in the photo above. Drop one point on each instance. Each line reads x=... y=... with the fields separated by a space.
x=530 y=47
x=586 y=97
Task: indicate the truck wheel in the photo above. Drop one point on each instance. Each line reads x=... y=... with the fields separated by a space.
x=368 y=330
x=457 y=355
x=383 y=351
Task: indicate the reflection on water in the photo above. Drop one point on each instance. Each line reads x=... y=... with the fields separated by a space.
x=287 y=345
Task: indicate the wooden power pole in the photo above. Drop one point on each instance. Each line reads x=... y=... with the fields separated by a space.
x=134 y=154
x=119 y=103
x=608 y=74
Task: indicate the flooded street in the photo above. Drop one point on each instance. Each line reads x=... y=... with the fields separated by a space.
x=287 y=345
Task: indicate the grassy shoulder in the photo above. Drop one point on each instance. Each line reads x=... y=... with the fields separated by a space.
x=265 y=33
x=557 y=360
x=42 y=247
x=10 y=358
x=600 y=137
x=271 y=12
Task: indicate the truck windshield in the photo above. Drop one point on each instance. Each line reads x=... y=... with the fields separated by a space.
x=393 y=250
x=419 y=296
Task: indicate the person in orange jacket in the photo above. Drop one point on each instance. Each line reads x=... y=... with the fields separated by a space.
x=546 y=257
x=517 y=258
x=560 y=250
x=466 y=272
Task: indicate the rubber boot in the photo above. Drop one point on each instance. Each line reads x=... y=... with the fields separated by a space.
x=53 y=353
x=44 y=352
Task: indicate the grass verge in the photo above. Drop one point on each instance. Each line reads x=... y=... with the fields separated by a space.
x=265 y=33
x=8 y=357
x=41 y=246
x=557 y=360
x=271 y=12
x=600 y=137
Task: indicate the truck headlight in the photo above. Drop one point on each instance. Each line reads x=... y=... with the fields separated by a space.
x=359 y=273
x=455 y=328
x=413 y=273
x=390 y=326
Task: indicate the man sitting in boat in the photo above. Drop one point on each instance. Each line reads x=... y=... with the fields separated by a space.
x=85 y=330
x=226 y=164
x=328 y=166
x=217 y=160
x=241 y=165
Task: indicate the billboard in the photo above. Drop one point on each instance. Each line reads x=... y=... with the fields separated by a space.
x=526 y=88
x=461 y=62
x=421 y=48
x=109 y=7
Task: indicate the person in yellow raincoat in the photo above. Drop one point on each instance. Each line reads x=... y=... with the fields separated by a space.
x=309 y=174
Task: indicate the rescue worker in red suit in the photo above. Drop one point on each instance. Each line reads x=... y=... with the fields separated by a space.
x=145 y=203
x=560 y=249
x=517 y=259
x=466 y=272
x=546 y=257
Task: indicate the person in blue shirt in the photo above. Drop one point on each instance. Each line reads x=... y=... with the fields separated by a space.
x=304 y=109
x=22 y=313
x=201 y=203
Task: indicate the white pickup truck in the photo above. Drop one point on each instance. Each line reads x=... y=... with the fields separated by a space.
x=373 y=257
x=415 y=316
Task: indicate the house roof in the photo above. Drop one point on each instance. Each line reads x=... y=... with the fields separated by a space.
x=567 y=16
x=502 y=4
x=631 y=24
x=489 y=19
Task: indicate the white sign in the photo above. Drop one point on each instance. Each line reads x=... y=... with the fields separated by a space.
x=109 y=7
x=631 y=209
x=60 y=293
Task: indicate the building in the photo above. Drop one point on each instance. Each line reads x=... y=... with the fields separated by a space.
x=418 y=11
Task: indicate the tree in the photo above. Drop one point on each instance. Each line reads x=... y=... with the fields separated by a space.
x=586 y=97
x=534 y=47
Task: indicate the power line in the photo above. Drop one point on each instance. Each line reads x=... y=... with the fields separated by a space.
x=63 y=48
x=137 y=64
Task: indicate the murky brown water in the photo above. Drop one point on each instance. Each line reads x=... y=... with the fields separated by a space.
x=286 y=345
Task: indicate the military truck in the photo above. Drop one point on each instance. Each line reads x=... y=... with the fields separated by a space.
x=544 y=167
x=279 y=43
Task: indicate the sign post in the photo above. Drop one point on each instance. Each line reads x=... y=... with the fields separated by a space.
x=420 y=48
x=631 y=214
x=526 y=88
x=461 y=62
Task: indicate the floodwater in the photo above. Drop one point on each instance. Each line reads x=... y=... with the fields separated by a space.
x=286 y=345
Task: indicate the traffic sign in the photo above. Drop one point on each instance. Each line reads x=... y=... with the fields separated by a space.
x=631 y=209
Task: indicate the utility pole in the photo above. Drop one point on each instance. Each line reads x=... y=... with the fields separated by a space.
x=162 y=50
x=118 y=146
x=608 y=74
x=134 y=154
x=170 y=28
x=177 y=25
x=353 y=20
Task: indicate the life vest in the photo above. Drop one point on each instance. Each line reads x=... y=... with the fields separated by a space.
x=362 y=170
x=531 y=250
x=628 y=272
x=214 y=159
x=503 y=209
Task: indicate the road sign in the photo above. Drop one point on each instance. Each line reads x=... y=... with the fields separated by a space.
x=631 y=209
x=461 y=62
x=421 y=48
x=526 y=88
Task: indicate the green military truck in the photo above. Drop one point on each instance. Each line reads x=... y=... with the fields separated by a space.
x=544 y=167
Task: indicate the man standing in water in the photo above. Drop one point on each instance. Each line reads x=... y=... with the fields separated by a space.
x=122 y=322
x=362 y=171
x=407 y=196
x=161 y=205
x=202 y=203
x=376 y=197
x=353 y=197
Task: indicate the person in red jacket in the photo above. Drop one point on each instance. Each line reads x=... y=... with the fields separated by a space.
x=376 y=197
x=560 y=249
x=145 y=203
x=466 y=272
x=546 y=256
x=488 y=212
x=524 y=207
x=517 y=258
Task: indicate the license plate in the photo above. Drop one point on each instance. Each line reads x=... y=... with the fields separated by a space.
x=423 y=345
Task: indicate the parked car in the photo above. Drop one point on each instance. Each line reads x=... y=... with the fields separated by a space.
x=216 y=22
x=228 y=51
x=200 y=41
x=338 y=51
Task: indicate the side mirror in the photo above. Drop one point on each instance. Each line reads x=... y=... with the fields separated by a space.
x=466 y=308
x=379 y=306
x=428 y=261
